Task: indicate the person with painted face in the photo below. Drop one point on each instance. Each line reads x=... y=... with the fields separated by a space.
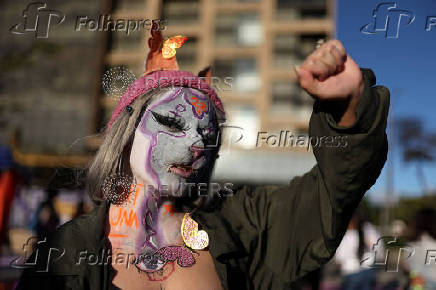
x=152 y=229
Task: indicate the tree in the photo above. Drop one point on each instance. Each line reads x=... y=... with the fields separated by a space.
x=417 y=147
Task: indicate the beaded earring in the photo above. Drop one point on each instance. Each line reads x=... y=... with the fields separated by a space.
x=119 y=188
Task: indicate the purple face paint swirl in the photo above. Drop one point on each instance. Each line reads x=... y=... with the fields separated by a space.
x=149 y=227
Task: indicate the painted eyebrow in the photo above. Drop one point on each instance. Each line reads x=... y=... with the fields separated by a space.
x=161 y=118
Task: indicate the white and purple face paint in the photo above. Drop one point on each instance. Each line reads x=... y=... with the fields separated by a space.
x=170 y=147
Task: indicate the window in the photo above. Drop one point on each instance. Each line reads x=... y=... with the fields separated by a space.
x=243 y=29
x=121 y=42
x=244 y=74
x=236 y=1
x=181 y=12
x=292 y=49
x=301 y=9
x=129 y=5
x=289 y=98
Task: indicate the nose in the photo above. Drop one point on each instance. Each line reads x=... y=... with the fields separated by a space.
x=195 y=138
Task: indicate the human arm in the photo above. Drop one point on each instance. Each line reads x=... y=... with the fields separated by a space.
x=290 y=230
x=301 y=225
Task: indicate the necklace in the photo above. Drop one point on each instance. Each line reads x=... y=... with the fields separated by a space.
x=192 y=237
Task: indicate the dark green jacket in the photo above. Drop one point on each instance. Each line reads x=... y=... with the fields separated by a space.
x=261 y=237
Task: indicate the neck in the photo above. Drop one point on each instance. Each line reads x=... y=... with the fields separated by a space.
x=145 y=223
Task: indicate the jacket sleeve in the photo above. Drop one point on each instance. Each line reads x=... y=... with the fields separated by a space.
x=298 y=227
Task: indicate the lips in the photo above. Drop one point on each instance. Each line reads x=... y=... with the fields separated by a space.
x=182 y=170
x=187 y=170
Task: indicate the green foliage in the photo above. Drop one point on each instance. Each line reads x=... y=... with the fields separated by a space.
x=372 y=213
x=407 y=207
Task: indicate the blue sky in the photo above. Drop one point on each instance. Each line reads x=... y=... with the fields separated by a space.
x=405 y=64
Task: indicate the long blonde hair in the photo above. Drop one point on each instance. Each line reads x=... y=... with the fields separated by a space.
x=115 y=146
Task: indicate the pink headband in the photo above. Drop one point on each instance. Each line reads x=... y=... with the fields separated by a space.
x=163 y=79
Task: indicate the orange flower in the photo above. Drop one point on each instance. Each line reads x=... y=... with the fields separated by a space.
x=170 y=45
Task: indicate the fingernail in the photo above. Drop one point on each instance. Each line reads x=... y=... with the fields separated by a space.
x=319 y=42
x=297 y=70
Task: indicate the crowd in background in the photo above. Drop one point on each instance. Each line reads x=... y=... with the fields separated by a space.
x=403 y=257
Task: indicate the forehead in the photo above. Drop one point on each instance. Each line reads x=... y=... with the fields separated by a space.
x=183 y=102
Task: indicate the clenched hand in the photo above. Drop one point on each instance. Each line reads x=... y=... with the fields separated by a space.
x=330 y=74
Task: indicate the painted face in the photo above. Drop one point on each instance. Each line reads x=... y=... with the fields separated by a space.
x=174 y=141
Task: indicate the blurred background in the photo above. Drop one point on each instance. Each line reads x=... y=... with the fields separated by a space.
x=54 y=105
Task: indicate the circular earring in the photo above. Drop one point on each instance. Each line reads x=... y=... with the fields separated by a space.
x=119 y=188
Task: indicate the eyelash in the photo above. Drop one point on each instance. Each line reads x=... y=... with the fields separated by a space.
x=173 y=124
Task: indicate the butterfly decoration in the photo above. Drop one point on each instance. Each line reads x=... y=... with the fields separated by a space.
x=192 y=237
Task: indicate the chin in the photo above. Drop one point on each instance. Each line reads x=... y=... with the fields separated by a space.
x=171 y=185
x=179 y=186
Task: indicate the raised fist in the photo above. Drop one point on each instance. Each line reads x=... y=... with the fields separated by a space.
x=329 y=72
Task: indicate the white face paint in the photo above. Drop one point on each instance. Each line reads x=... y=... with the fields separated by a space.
x=174 y=141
